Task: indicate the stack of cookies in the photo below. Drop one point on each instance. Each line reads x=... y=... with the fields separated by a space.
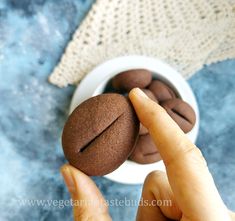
x=181 y=112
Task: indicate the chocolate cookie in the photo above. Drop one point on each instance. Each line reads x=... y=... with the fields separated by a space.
x=100 y=134
x=128 y=80
x=181 y=112
x=143 y=129
x=145 y=151
x=150 y=94
x=161 y=91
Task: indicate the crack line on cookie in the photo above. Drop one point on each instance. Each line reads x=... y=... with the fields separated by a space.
x=147 y=154
x=181 y=115
x=86 y=146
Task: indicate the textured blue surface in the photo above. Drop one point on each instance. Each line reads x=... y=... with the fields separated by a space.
x=33 y=35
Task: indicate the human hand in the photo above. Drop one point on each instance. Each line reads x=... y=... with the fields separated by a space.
x=88 y=202
x=188 y=183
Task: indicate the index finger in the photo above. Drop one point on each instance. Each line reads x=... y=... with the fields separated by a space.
x=188 y=175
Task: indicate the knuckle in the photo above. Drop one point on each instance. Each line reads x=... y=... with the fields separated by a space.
x=190 y=153
x=195 y=155
x=154 y=177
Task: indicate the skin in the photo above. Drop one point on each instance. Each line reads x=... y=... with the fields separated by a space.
x=187 y=183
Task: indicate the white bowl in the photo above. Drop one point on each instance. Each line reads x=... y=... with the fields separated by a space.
x=94 y=83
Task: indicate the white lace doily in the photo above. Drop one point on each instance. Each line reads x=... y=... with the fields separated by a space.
x=186 y=34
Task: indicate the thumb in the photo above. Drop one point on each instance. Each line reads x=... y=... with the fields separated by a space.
x=88 y=202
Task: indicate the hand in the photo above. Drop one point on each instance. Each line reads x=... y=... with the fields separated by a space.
x=188 y=184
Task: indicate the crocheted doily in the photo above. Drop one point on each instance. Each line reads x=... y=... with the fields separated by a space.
x=186 y=34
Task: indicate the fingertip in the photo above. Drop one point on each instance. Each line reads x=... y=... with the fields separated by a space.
x=68 y=169
x=68 y=178
x=64 y=168
x=83 y=189
x=73 y=177
x=137 y=93
x=76 y=180
x=139 y=100
x=145 y=107
x=78 y=176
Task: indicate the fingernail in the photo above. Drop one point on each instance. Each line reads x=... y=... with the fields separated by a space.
x=139 y=93
x=68 y=178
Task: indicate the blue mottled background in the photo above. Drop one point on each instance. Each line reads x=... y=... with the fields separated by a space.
x=33 y=35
